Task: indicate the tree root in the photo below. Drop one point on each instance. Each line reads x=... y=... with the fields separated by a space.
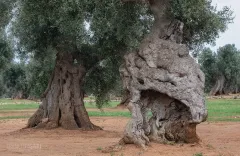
x=91 y=127
x=113 y=148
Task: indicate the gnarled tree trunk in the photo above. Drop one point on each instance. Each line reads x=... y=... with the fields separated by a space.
x=161 y=77
x=218 y=88
x=62 y=102
x=18 y=95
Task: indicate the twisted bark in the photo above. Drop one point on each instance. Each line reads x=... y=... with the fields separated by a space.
x=62 y=102
x=161 y=77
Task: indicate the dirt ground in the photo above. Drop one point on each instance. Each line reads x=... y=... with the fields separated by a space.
x=218 y=139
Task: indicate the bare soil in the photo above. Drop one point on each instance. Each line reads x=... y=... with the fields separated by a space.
x=218 y=139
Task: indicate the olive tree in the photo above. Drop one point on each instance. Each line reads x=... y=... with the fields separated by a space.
x=88 y=39
x=162 y=77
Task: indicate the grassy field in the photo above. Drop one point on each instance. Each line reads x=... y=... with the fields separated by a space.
x=223 y=109
x=7 y=104
x=218 y=109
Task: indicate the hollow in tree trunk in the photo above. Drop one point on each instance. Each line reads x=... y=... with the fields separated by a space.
x=62 y=102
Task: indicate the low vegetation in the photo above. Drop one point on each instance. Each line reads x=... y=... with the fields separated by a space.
x=224 y=110
x=198 y=154
x=218 y=109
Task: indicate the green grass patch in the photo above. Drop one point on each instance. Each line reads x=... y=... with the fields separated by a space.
x=218 y=109
x=110 y=104
x=14 y=117
x=198 y=154
x=19 y=106
x=223 y=110
x=224 y=119
x=10 y=101
x=8 y=104
x=113 y=114
x=90 y=113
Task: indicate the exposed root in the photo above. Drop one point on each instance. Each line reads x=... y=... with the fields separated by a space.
x=91 y=127
x=120 y=146
x=113 y=148
x=36 y=118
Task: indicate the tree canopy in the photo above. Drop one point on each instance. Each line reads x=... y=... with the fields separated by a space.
x=43 y=25
x=99 y=33
x=5 y=50
x=15 y=81
x=203 y=22
x=6 y=53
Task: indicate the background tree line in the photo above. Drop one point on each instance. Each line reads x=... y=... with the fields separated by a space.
x=27 y=78
x=222 y=69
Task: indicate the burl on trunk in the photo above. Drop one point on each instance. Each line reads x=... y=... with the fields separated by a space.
x=161 y=77
x=62 y=102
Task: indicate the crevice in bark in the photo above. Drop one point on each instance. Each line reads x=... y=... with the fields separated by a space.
x=59 y=117
x=62 y=102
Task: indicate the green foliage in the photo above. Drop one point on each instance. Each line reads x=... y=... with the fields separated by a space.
x=99 y=148
x=228 y=65
x=208 y=62
x=198 y=154
x=2 y=88
x=114 y=23
x=114 y=29
x=202 y=21
x=98 y=34
x=5 y=12
x=29 y=77
x=225 y=62
x=45 y=23
x=15 y=80
x=39 y=70
x=102 y=79
x=6 y=54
